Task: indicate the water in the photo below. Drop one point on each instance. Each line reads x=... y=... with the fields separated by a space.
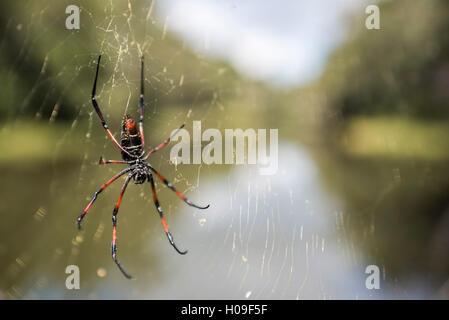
x=267 y=237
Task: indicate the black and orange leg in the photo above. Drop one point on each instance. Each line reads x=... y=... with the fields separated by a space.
x=141 y=105
x=100 y=115
x=161 y=214
x=179 y=194
x=163 y=144
x=104 y=186
x=114 y=227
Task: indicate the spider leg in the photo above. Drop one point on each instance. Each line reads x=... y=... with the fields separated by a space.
x=141 y=105
x=163 y=144
x=179 y=194
x=102 y=161
x=114 y=227
x=100 y=115
x=104 y=186
x=161 y=214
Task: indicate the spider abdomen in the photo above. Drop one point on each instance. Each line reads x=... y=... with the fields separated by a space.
x=130 y=138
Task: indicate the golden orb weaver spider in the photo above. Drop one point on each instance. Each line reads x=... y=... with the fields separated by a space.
x=132 y=146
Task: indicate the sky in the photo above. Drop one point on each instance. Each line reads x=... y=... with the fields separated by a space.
x=283 y=42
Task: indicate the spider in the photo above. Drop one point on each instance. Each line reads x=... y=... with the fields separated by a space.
x=132 y=147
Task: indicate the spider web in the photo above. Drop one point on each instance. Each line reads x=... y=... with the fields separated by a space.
x=266 y=237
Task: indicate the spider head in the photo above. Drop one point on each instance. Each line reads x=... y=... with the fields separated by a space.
x=129 y=123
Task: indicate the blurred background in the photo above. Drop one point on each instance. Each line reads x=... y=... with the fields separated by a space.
x=363 y=122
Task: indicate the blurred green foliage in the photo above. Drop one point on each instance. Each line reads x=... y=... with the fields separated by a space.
x=401 y=69
x=47 y=68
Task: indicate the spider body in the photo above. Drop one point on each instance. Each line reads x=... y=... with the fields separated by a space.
x=130 y=139
x=132 y=146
